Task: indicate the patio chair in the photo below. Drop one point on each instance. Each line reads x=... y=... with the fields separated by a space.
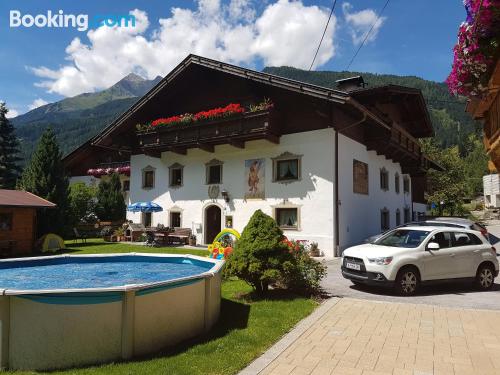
x=150 y=239
x=79 y=236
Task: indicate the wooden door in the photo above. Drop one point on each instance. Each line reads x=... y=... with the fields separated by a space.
x=212 y=223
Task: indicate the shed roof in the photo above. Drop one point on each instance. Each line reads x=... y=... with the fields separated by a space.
x=18 y=198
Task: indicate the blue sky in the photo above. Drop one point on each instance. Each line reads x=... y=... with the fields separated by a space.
x=37 y=66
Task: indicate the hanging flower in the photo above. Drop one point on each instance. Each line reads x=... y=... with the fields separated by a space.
x=477 y=48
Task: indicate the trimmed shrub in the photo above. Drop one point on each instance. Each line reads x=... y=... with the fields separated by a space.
x=259 y=254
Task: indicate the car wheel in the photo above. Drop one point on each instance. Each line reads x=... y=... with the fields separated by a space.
x=407 y=282
x=485 y=277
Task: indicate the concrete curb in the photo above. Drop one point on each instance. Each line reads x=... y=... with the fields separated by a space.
x=274 y=351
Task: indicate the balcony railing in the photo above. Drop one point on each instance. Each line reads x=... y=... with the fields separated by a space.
x=406 y=142
x=245 y=127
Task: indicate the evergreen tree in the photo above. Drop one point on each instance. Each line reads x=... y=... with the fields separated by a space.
x=45 y=177
x=9 y=149
x=110 y=203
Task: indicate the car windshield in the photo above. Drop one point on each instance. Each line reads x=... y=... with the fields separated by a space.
x=403 y=238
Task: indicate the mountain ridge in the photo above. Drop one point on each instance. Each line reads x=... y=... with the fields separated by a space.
x=77 y=119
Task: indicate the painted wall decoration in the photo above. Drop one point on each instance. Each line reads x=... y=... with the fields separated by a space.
x=255 y=179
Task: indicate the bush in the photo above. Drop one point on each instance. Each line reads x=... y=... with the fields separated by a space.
x=81 y=202
x=303 y=273
x=263 y=256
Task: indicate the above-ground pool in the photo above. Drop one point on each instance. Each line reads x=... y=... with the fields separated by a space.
x=74 y=310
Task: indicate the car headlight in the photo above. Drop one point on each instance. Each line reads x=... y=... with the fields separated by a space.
x=382 y=261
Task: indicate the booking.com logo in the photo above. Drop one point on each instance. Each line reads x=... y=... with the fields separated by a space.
x=61 y=20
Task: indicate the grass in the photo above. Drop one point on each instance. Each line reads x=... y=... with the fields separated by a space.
x=246 y=328
x=97 y=245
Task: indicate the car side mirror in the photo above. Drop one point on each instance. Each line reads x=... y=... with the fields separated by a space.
x=432 y=246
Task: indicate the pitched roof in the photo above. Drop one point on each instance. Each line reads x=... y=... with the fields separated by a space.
x=265 y=78
x=17 y=198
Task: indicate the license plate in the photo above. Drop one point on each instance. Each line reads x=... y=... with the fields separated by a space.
x=353 y=266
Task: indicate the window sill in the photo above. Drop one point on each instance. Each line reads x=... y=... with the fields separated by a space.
x=147 y=187
x=287 y=181
x=290 y=228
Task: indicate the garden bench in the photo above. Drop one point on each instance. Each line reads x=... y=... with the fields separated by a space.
x=181 y=234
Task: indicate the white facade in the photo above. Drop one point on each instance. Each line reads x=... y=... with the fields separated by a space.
x=491 y=188
x=312 y=195
x=360 y=215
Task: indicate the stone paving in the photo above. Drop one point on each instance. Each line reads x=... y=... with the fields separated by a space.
x=350 y=336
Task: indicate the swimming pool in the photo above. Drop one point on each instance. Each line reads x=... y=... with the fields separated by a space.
x=73 y=310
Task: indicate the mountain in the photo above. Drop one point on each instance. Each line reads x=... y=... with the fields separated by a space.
x=452 y=124
x=77 y=119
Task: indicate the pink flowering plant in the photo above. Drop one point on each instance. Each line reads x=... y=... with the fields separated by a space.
x=477 y=48
x=99 y=172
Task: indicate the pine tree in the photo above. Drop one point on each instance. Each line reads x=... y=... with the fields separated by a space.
x=45 y=177
x=110 y=203
x=9 y=149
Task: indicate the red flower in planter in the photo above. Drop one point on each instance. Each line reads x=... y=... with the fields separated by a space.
x=219 y=112
x=211 y=114
x=166 y=121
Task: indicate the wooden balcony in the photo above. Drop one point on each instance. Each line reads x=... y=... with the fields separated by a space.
x=402 y=148
x=205 y=135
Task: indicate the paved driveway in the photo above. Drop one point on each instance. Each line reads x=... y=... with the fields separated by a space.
x=452 y=295
x=351 y=336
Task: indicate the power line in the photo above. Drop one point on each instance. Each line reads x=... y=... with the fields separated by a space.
x=367 y=35
x=324 y=32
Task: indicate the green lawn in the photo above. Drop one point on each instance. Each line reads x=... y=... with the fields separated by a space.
x=246 y=328
x=97 y=245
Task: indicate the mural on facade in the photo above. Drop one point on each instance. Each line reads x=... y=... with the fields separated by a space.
x=255 y=179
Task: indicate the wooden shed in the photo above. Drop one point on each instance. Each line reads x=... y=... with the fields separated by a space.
x=18 y=210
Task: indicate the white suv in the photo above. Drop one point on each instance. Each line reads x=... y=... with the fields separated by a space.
x=406 y=257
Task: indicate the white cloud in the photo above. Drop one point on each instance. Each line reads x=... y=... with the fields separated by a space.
x=37 y=103
x=286 y=32
x=12 y=112
x=359 y=23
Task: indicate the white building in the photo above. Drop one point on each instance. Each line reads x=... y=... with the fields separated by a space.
x=491 y=188
x=331 y=166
